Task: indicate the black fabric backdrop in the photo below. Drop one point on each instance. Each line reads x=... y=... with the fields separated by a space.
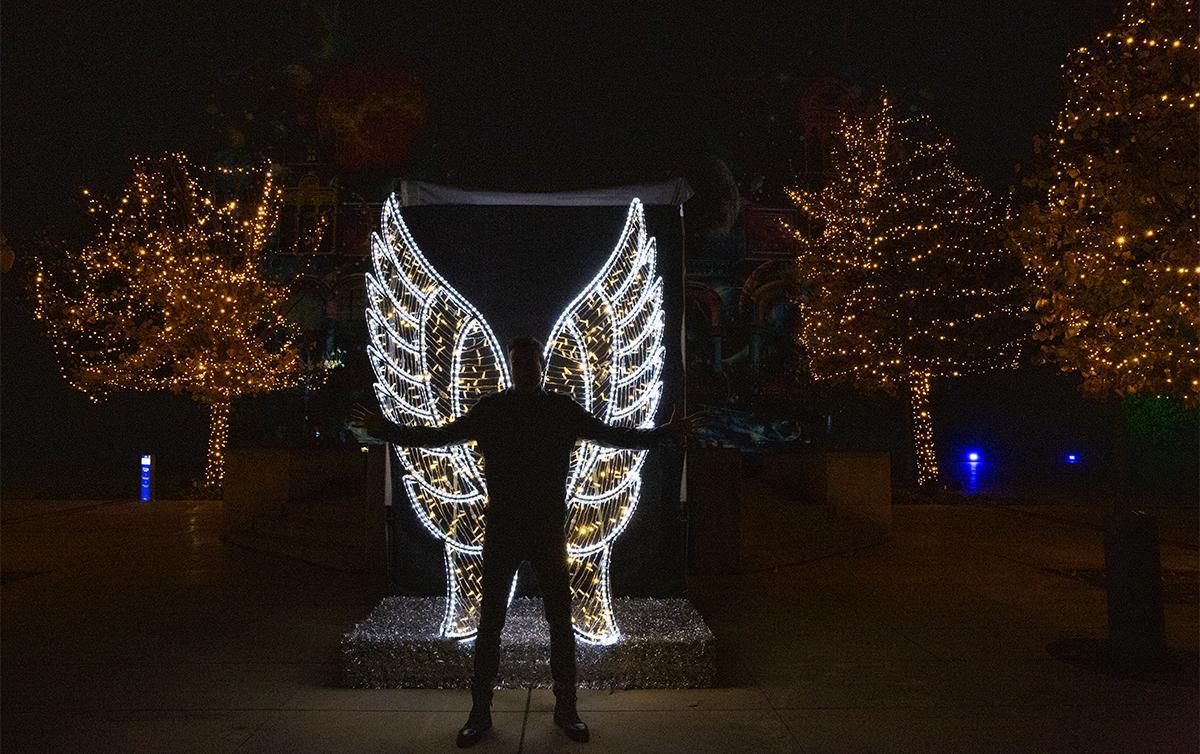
x=520 y=265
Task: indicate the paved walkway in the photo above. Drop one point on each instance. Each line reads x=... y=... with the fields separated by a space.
x=130 y=627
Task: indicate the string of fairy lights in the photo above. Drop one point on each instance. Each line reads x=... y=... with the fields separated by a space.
x=1112 y=243
x=908 y=278
x=169 y=294
x=434 y=356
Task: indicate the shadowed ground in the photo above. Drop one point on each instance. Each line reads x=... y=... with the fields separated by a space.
x=132 y=627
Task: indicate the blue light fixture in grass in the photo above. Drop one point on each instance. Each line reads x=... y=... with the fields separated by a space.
x=972 y=464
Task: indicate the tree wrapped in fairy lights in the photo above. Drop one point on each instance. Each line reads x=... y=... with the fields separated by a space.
x=169 y=293
x=1111 y=244
x=908 y=279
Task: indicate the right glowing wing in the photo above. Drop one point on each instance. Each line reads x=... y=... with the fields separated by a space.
x=606 y=351
x=433 y=356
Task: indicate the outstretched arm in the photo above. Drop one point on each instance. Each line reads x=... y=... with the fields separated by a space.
x=465 y=427
x=590 y=427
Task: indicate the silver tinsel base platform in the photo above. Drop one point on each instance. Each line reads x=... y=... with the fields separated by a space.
x=664 y=644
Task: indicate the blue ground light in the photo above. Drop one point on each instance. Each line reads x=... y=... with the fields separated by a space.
x=992 y=469
x=972 y=460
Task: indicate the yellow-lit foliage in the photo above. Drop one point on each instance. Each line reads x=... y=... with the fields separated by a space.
x=1113 y=245
x=169 y=293
x=907 y=276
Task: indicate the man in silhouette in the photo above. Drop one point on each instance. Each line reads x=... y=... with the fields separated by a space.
x=526 y=435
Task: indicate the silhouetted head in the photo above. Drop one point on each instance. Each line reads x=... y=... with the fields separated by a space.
x=525 y=363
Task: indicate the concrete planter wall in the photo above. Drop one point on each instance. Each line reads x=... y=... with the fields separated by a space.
x=744 y=512
x=854 y=484
x=321 y=506
x=755 y=512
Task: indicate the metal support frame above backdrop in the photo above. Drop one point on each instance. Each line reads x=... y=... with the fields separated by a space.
x=421 y=193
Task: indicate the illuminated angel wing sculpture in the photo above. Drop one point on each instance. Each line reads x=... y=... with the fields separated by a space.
x=606 y=351
x=434 y=355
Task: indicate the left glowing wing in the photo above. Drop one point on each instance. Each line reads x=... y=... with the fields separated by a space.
x=434 y=356
x=606 y=351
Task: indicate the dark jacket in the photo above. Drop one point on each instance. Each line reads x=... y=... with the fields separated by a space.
x=526 y=442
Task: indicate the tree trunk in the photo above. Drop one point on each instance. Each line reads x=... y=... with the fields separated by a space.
x=1132 y=560
x=218 y=436
x=919 y=383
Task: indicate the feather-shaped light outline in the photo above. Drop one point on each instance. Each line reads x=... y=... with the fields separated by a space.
x=463 y=461
x=650 y=296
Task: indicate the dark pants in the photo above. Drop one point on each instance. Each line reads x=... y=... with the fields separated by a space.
x=504 y=547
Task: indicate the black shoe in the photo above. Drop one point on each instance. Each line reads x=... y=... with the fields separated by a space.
x=568 y=720
x=474 y=729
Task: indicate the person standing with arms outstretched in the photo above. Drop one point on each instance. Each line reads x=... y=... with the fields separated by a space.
x=525 y=434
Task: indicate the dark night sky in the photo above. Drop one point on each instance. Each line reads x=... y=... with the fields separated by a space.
x=526 y=101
